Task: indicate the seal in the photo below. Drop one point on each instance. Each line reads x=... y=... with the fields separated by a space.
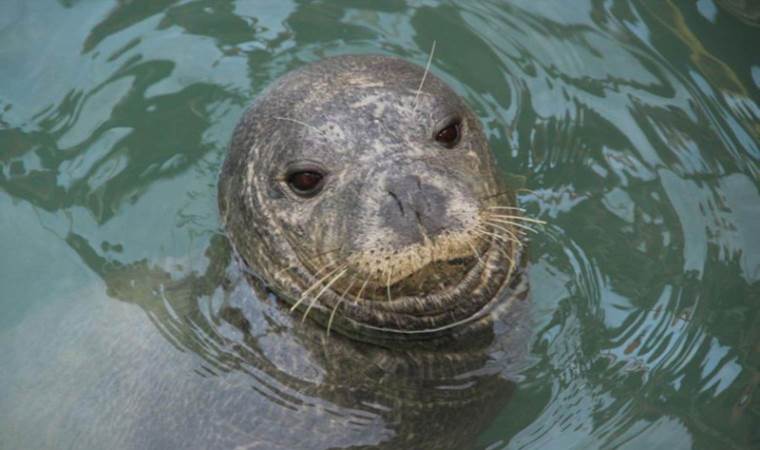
x=362 y=190
x=359 y=189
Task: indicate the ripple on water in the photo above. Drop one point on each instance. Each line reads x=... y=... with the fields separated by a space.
x=630 y=128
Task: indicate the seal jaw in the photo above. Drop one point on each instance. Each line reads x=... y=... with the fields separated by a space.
x=425 y=315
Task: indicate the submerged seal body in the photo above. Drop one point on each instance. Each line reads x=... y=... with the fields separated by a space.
x=362 y=190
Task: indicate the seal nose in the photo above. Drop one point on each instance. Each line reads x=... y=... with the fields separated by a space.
x=414 y=209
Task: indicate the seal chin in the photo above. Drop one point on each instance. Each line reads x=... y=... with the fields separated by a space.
x=412 y=313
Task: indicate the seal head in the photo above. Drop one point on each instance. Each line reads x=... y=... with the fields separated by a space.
x=362 y=190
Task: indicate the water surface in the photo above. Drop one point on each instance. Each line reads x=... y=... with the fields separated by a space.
x=631 y=128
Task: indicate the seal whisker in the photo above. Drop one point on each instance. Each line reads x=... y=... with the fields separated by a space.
x=424 y=75
x=509 y=258
x=359 y=295
x=317 y=274
x=490 y=196
x=516 y=208
x=388 y=283
x=487 y=214
x=302 y=123
x=518 y=225
x=502 y=251
x=505 y=230
x=499 y=237
x=525 y=219
x=521 y=226
x=316 y=281
x=337 y=304
x=476 y=252
x=279 y=272
x=293 y=266
x=529 y=191
x=504 y=239
x=332 y=315
x=314 y=285
x=317 y=255
x=327 y=286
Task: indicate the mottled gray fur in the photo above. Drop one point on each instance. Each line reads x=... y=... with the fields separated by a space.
x=395 y=208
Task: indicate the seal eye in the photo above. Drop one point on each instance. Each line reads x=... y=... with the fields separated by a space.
x=450 y=134
x=305 y=183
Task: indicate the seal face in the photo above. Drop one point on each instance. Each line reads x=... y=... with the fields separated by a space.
x=362 y=190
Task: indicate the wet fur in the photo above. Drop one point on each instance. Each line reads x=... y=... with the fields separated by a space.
x=349 y=255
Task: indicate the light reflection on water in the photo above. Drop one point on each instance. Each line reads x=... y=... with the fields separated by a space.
x=632 y=129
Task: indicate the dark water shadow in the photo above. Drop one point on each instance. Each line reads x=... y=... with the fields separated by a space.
x=441 y=396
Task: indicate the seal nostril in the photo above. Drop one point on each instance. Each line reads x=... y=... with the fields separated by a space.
x=398 y=202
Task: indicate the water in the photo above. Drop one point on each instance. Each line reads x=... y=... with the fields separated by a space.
x=633 y=127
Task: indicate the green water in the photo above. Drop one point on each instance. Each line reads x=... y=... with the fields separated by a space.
x=634 y=128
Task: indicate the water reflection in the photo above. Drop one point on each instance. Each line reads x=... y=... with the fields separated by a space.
x=633 y=128
x=329 y=390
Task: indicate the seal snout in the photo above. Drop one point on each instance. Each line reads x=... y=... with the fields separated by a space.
x=416 y=211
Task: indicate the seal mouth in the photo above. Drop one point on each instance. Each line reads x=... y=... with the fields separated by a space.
x=402 y=310
x=459 y=278
x=434 y=278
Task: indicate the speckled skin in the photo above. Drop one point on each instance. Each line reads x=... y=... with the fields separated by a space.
x=397 y=209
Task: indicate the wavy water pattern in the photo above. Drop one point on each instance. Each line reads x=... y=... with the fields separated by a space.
x=631 y=127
